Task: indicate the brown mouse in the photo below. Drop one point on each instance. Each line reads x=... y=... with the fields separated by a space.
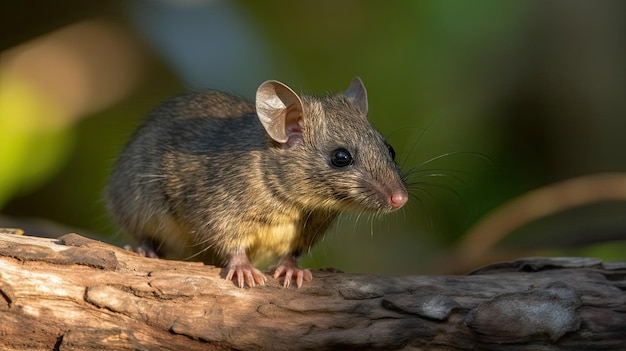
x=214 y=177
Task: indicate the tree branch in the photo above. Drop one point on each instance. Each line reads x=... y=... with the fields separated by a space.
x=74 y=293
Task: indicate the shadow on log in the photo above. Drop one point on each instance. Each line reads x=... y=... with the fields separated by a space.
x=76 y=293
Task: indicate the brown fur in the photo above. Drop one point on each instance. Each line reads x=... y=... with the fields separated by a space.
x=202 y=177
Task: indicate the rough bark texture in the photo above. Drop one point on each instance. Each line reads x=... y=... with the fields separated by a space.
x=74 y=293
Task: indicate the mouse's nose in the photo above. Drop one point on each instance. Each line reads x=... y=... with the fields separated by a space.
x=398 y=198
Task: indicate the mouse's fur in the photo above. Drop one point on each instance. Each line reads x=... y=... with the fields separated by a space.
x=202 y=176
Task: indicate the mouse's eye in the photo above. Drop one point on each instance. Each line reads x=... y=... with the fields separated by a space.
x=341 y=158
x=392 y=152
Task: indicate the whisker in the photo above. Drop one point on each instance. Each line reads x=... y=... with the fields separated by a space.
x=439 y=186
x=458 y=153
x=425 y=208
x=417 y=141
x=415 y=170
x=442 y=175
x=196 y=254
x=422 y=190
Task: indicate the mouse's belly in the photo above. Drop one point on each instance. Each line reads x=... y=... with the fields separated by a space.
x=271 y=240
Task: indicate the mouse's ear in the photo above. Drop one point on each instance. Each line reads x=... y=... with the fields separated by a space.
x=280 y=111
x=357 y=94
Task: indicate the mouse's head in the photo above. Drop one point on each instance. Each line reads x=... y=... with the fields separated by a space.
x=329 y=154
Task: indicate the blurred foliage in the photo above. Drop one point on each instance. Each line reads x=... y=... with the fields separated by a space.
x=516 y=95
x=32 y=148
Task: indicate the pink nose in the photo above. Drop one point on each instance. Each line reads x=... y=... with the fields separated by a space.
x=398 y=198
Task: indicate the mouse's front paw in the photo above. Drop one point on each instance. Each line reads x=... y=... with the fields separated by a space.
x=239 y=266
x=289 y=268
x=246 y=274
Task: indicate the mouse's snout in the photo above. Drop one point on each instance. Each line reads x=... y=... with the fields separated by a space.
x=398 y=198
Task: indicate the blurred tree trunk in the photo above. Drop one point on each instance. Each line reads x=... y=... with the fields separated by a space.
x=76 y=293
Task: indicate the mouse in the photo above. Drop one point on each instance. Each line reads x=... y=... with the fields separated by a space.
x=213 y=177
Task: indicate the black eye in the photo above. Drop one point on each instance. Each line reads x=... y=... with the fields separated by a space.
x=392 y=152
x=341 y=158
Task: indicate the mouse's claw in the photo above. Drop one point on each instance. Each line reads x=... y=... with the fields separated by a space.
x=289 y=268
x=145 y=249
x=246 y=274
x=239 y=266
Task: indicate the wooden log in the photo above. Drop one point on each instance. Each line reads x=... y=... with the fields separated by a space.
x=75 y=293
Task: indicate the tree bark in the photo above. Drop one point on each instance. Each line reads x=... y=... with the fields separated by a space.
x=75 y=293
